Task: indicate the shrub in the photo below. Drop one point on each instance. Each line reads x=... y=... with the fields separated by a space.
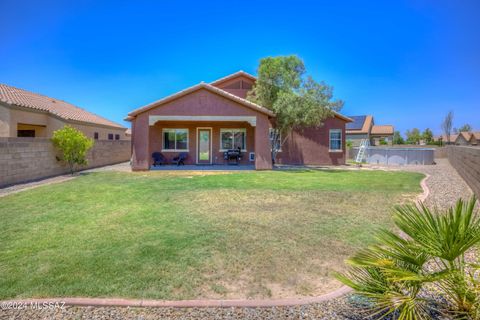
x=73 y=144
x=395 y=272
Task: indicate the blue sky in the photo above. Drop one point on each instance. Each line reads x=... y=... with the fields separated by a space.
x=405 y=62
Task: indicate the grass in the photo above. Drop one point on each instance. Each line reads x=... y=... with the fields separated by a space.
x=189 y=235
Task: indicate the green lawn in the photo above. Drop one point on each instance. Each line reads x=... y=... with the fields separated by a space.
x=190 y=235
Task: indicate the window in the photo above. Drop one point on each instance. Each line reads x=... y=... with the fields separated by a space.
x=26 y=133
x=233 y=139
x=335 y=140
x=110 y=136
x=271 y=132
x=95 y=135
x=251 y=156
x=117 y=137
x=175 y=139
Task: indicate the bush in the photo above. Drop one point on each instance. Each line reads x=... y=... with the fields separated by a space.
x=73 y=144
x=395 y=272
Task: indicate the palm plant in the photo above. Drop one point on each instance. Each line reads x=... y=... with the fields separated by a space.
x=429 y=251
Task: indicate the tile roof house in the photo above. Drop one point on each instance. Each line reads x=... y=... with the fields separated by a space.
x=462 y=139
x=27 y=114
x=363 y=127
x=208 y=120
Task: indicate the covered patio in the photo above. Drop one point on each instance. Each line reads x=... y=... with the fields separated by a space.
x=202 y=125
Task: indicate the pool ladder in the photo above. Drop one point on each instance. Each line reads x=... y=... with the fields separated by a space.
x=364 y=144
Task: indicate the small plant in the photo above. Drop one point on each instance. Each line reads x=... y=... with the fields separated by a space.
x=73 y=144
x=397 y=271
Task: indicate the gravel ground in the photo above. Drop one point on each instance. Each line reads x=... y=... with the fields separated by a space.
x=445 y=187
x=445 y=184
x=335 y=309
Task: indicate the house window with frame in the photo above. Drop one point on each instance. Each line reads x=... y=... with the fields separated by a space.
x=110 y=136
x=175 y=140
x=271 y=135
x=117 y=137
x=233 y=139
x=336 y=140
x=95 y=135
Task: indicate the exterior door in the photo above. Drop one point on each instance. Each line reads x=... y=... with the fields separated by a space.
x=204 y=147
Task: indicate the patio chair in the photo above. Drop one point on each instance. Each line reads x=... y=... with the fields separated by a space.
x=158 y=159
x=180 y=159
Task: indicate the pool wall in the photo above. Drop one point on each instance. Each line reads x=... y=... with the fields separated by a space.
x=398 y=156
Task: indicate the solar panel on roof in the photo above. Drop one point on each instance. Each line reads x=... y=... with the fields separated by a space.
x=357 y=123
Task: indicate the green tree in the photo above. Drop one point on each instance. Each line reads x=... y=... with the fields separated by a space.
x=297 y=100
x=431 y=249
x=427 y=136
x=413 y=136
x=73 y=144
x=397 y=138
x=465 y=128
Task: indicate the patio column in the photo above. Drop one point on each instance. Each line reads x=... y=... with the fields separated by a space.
x=263 y=157
x=140 y=143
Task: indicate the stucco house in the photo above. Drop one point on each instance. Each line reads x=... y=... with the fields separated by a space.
x=208 y=119
x=461 y=139
x=364 y=127
x=27 y=114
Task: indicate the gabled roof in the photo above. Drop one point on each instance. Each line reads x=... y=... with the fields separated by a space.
x=23 y=98
x=453 y=137
x=469 y=135
x=382 y=130
x=205 y=86
x=360 y=124
x=232 y=76
x=212 y=87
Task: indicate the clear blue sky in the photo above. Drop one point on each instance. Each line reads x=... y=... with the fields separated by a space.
x=405 y=62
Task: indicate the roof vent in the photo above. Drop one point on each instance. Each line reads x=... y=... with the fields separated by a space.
x=54 y=101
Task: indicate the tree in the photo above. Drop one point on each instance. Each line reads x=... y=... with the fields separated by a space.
x=430 y=252
x=413 y=136
x=73 y=144
x=397 y=138
x=297 y=100
x=447 y=126
x=465 y=128
x=427 y=136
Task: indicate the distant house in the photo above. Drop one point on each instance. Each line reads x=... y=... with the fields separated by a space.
x=363 y=127
x=461 y=139
x=208 y=121
x=27 y=114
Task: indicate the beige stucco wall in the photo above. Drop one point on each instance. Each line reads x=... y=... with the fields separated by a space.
x=11 y=117
x=25 y=159
x=4 y=121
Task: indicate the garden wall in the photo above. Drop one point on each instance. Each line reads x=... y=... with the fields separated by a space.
x=26 y=159
x=466 y=160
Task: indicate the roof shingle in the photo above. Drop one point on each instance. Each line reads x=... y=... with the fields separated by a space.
x=60 y=108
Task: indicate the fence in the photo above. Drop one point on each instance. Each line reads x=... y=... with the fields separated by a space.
x=466 y=160
x=26 y=159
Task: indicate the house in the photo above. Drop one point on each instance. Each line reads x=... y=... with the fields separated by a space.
x=467 y=139
x=363 y=127
x=461 y=139
x=27 y=114
x=208 y=119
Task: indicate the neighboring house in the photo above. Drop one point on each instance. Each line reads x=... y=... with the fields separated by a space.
x=461 y=139
x=209 y=118
x=363 y=127
x=27 y=114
